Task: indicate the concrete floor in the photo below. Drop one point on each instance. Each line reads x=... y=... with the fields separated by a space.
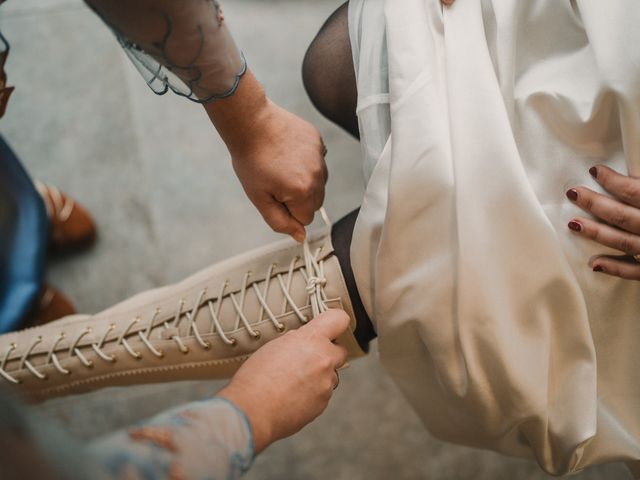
x=160 y=184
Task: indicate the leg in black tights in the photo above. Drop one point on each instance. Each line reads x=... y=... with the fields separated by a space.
x=341 y=238
x=328 y=74
x=330 y=81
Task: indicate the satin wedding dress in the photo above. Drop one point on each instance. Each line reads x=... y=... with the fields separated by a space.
x=475 y=120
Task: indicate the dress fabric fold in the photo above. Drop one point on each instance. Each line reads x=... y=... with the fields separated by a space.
x=475 y=120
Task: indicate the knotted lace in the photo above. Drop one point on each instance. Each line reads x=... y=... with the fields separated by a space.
x=312 y=272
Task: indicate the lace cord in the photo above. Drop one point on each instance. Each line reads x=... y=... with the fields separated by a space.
x=54 y=358
x=279 y=326
x=24 y=362
x=243 y=291
x=263 y=303
x=6 y=375
x=312 y=272
x=289 y=280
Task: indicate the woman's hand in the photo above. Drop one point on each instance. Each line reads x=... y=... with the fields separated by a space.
x=278 y=156
x=282 y=170
x=620 y=215
x=289 y=381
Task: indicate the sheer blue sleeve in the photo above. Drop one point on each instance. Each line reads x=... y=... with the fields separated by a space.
x=211 y=439
x=178 y=45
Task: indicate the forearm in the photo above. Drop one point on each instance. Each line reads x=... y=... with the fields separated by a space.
x=239 y=118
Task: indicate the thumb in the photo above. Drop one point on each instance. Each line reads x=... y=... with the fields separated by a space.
x=330 y=324
x=280 y=219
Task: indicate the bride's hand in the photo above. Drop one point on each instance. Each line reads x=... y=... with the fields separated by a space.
x=620 y=225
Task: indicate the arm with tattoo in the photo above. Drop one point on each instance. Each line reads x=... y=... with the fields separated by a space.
x=185 y=46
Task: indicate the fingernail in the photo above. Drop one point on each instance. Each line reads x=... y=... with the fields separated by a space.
x=598 y=268
x=572 y=194
x=594 y=172
x=299 y=237
x=575 y=226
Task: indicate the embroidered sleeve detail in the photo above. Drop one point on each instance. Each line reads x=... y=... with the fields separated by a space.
x=178 y=45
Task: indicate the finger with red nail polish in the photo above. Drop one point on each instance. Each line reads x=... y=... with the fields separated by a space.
x=621 y=267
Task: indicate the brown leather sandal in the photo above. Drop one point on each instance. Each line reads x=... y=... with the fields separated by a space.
x=71 y=225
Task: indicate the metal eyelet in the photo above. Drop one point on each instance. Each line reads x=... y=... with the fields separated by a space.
x=207 y=345
x=138 y=356
x=160 y=354
x=90 y=365
x=281 y=328
x=234 y=342
x=256 y=335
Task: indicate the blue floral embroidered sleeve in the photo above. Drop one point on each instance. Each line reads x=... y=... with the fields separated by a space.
x=211 y=439
x=179 y=45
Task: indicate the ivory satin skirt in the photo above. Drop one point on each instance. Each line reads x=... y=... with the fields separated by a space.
x=475 y=120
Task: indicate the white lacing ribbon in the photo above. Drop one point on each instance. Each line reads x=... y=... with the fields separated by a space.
x=312 y=272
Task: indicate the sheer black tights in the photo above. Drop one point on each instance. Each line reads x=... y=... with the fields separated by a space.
x=341 y=238
x=330 y=81
x=328 y=74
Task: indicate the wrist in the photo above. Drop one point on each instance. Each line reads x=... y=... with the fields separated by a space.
x=238 y=117
x=253 y=410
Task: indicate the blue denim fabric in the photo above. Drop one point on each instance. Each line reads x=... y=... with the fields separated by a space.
x=24 y=231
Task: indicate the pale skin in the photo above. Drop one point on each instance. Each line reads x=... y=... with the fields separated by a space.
x=289 y=381
x=278 y=156
x=616 y=223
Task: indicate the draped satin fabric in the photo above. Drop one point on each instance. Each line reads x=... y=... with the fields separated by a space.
x=475 y=120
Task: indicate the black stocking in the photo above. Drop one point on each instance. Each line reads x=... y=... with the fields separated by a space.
x=330 y=81
x=328 y=74
x=341 y=238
